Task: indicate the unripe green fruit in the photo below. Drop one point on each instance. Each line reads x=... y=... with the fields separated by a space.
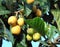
x=30 y=30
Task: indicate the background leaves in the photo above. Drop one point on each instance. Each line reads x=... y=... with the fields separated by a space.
x=37 y=23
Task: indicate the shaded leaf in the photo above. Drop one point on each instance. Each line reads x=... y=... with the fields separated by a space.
x=2 y=26
x=0 y=2
x=28 y=11
x=5 y=32
x=22 y=43
x=9 y=36
x=4 y=12
x=19 y=45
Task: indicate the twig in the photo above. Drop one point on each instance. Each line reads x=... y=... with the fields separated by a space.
x=56 y=41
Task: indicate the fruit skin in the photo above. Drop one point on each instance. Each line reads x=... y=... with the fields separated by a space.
x=36 y=36
x=12 y=20
x=30 y=30
x=29 y=1
x=20 y=21
x=34 y=8
x=38 y=12
x=28 y=37
x=16 y=30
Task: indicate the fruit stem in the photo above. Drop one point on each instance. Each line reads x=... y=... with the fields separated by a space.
x=16 y=13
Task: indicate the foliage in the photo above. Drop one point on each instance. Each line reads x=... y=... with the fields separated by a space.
x=10 y=7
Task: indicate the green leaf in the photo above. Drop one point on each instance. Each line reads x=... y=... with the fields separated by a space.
x=28 y=11
x=2 y=8
x=22 y=43
x=46 y=27
x=56 y=14
x=5 y=32
x=19 y=45
x=2 y=27
x=0 y=2
x=21 y=7
x=51 y=32
x=9 y=36
x=4 y=12
x=45 y=5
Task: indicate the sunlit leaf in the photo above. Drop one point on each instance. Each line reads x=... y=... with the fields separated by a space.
x=21 y=7
x=51 y=32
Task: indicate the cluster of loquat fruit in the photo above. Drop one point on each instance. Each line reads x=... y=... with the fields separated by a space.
x=16 y=24
x=32 y=35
